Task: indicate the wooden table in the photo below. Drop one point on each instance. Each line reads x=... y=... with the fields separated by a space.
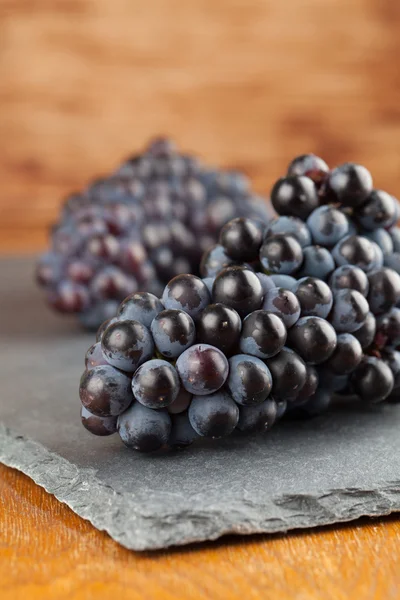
x=246 y=83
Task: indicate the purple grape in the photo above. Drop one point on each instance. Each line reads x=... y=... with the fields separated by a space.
x=203 y=369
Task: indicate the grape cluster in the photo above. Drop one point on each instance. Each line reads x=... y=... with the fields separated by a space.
x=149 y=220
x=287 y=314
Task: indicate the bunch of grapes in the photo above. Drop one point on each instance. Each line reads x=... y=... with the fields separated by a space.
x=137 y=228
x=287 y=315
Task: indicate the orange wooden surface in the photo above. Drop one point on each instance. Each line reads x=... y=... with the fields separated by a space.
x=49 y=553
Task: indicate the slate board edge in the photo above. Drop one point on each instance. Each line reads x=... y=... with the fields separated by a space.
x=83 y=492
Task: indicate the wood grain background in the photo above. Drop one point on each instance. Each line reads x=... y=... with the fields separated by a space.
x=247 y=83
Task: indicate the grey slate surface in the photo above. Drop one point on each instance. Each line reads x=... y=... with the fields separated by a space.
x=332 y=469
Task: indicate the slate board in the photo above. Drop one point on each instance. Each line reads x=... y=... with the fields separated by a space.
x=333 y=469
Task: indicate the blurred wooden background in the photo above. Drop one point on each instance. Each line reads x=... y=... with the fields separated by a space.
x=246 y=83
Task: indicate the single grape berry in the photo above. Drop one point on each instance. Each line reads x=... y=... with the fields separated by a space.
x=310 y=386
x=257 y=418
x=392 y=261
x=388 y=329
x=267 y=283
x=289 y=374
x=241 y=239
x=392 y=359
x=328 y=380
x=173 y=332
x=349 y=277
x=294 y=196
x=239 y=288
x=283 y=281
x=219 y=326
x=317 y=262
x=314 y=296
x=182 y=433
x=372 y=380
x=69 y=297
x=349 y=184
x=94 y=357
x=327 y=225
x=379 y=210
x=382 y=238
x=281 y=254
x=349 y=311
x=105 y=391
x=156 y=384
x=188 y=293
x=249 y=380
x=181 y=402
x=355 y=250
x=289 y=226
x=347 y=355
x=214 y=415
x=366 y=334
x=284 y=304
x=126 y=345
x=101 y=426
x=384 y=290
x=263 y=334
x=314 y=406
x=313 y=338
x=311 y=166
x=203 y=369
x=140 y=306
x=144 y=429
x=214 y=260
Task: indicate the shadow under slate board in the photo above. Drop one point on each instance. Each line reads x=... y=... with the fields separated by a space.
x=301 y=474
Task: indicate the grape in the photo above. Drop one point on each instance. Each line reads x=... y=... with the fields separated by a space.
x=281 y=254
x=103 y=327
x=112 y=283
x=182 y=433
x=394 y=233
x=314 y=296
x=310 y=386
x=263 y=334
x=388 y=329
x=284 y=281
x=350 y=309
x=144 y=429
x=209 y=281
x=379 y=210
x=349 y=276
x=249 y=380
x=173 y=331
x=382 y=238
x=156 y=384
x=349 y=184
x=203 y=369
x=80 y=271
x=69 y=297
x=317 y=262
x=392 y=359
x=316 y=405
x=294 y=196
x=188 y=293
x=288 y=372
x=289 y=226
x=241 y=239
x=347 y=355
x=327 y=225
x=215 y=415
x=239 y=288
x=94 y=357
x=181 y=402
x=258 y=418
x=355 y=250
x=49 y=269
x=281 y=406
x=384 y=290
x=105 y=391
x=313 y=338
x=98 y=425
x=267 y=283
x=366 y=334
x=284 y=304
x=94 y=316
x=127 y=344
x=328 y=380
x=219 y=326
x=372 y=380
x=140 y=306
x=310 y=165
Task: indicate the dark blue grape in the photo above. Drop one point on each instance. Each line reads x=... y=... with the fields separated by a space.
x=241 y=239
x=388 y=329
x=219 y=326
x=68 y=297
x=394 y=233
x=382 y=238
x=182 y=433
x=140 y=306
x=392 y=261
x=392 y=359
x=281 y=406
x=214 y=415
x=209 y=281
x=284 y=304
x=156 y=384
x=259 y=418
x=347 y=355
x=181 y=402
x=111 y=283
x=294 y=196
x=103 y=327
x=328 y=380
x=94 y=357
x=379 y=210
x=311 y=166
x=384 y=290
x=290 y=226
x=173 y=331
x=289 y=374
x=249 y=380
x=281 y=255
x=313 y=338
x=372 y=380
x=203 y=369
x=127 y=344
x=349 y=277
x=263 y=334
x=239 y=288
x=355 y=250
x=327 y=225
x=283 y=281
x=314 y=296
x=366 y=333
x=318 y=262
x=310 y=386
x=349 y=184
x=144 y=429
x=267 y=283
x=316 y=405
x=188 y=293
x=101 y=426
x=105 y=391
x=349 y=311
